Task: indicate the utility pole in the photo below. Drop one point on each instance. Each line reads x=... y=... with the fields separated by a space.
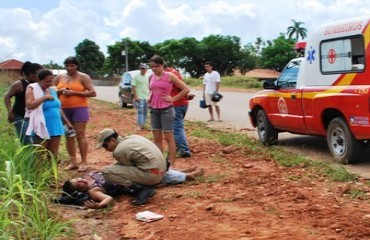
x=125 y=54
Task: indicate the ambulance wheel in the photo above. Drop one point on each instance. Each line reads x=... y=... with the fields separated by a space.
x=342 y=145
x=267 y=134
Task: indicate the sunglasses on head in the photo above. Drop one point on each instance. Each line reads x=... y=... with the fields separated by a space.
x=105 y=144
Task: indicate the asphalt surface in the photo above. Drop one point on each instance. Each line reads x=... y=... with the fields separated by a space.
x=234 y=114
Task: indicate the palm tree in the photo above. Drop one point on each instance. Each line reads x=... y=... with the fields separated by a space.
x=297 y=30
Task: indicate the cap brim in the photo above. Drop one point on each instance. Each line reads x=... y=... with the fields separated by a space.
x=99 y=145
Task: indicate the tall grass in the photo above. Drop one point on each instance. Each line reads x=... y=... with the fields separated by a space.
x=25 y=179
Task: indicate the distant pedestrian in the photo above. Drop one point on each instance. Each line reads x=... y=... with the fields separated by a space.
x=161 y=105
x=140 y=90
x=211 y=84
x=181 y=107
x=18 y=91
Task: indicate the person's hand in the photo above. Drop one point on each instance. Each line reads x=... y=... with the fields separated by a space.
x=67 y=92
x=10 y=117
x=69 y=126
x=167 y=98
x=48 y=96
x=92 y=204
x=190 y=96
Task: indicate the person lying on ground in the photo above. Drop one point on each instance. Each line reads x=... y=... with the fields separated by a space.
x=102 y=192
x=140 y=165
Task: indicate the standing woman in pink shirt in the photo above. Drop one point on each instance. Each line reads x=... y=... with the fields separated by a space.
x=161 y=105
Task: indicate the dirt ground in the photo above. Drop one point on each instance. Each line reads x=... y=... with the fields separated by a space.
x=241 y=196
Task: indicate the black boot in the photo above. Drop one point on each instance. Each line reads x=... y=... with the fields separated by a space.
x=143 y=193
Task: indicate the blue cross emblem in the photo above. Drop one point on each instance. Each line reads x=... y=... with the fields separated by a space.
x=311 y=54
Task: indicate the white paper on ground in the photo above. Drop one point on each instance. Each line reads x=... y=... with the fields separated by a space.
x=148 y=216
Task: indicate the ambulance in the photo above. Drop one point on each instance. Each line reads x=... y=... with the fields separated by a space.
x=324 y=93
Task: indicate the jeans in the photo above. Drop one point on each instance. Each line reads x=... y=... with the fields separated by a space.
x=21 y=126
x=141 y=111
x=179 y=131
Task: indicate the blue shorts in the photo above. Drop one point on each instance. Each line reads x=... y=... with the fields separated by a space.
x=162 y=119
x=77 y=114
x=174 y=177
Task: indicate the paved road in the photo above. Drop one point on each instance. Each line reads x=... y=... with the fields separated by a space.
x=234 y=113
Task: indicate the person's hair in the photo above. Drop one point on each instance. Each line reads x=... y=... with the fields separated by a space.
x=157 y=60
x=71 y=60
x=113 y=135
x=208 y=63
x=43 y=73
x=29 y=67
x=68 y=187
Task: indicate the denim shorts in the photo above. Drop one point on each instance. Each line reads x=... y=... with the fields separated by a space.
x=174 y=177
x=162 y=119
x=77 y=114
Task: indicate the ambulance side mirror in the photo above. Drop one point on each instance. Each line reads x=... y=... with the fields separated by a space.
x=270 y=84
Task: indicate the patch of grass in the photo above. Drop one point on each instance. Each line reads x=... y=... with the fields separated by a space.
x=194 y=194
x=210 y=178
x=287 y=159
x=339 y=173
x=230 y=81
x=358 y=194
x=218 y=159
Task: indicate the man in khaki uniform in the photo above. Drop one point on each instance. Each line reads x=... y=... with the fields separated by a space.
x=140 y=163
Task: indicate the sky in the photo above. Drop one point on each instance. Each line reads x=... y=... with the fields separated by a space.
x=47 y=31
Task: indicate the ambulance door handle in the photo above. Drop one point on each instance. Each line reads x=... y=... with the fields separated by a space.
x=293 y=96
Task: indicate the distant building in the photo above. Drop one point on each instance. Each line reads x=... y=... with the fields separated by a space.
x=10 y=69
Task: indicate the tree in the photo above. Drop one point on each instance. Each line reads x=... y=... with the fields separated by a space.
x=278 y=53
x=223 y=52
x=297 y=30
x=186 y=53
x=248 y=59
x=138 y=52
x=91 y=59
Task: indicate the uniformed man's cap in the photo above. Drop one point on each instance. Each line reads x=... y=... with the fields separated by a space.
x=103 y=135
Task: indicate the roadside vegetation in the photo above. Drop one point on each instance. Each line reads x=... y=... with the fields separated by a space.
x=26 y=178
x=240 y=82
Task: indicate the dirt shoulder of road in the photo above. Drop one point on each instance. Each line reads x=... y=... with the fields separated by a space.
x=241 y=196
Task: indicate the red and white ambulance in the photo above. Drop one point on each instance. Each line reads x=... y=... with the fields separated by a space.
x=325 y=93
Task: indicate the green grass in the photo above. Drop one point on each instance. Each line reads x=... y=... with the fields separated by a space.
x=232 y=82
x=25 y=180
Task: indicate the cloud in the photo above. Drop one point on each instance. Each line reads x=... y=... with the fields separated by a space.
x=51 y=33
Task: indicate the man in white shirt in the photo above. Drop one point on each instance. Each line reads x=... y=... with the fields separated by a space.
x=211 y=84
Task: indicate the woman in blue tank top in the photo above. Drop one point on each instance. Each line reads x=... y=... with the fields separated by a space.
x=51 y=111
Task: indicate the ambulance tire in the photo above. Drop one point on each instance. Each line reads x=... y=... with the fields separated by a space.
x=267 y=134
x=342 y=145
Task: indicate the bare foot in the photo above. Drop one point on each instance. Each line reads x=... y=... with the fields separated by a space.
x=188 y=170
x=71 y=167
x=83 y=168
x=193 y=175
